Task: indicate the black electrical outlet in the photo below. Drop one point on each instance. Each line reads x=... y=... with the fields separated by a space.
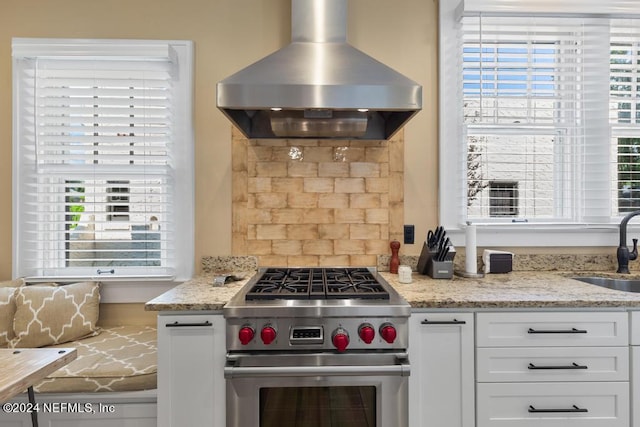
x=409 y=234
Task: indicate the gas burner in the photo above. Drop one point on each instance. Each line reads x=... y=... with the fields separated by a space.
x=316 y=283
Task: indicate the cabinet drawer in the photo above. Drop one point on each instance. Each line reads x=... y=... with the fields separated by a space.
x=635 y=327
x=517 y=364
x=549 y=329
x=604 y=404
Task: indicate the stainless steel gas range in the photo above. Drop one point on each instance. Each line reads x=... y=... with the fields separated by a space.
x=313 y=347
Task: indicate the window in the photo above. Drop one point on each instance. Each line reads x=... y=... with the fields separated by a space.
x=503 y=199
x=103 y=162
x=540 y=127
x=628 y=182
x=118 y=201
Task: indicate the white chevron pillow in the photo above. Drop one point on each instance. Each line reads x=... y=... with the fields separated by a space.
x=48 y=315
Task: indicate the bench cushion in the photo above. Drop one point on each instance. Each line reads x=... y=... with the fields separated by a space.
x=121 y=358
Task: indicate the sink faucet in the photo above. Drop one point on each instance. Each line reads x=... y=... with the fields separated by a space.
x=624 y=256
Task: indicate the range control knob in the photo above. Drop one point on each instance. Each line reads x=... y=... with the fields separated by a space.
x=246 y=334
x=268 y=334
x=340 y=339
x=366 y=333
x=388 y=332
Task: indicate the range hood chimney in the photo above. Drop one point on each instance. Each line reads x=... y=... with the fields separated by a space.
x=319 y=86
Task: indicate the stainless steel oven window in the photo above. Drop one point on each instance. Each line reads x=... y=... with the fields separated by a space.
x=257 y=384
x=335 y=406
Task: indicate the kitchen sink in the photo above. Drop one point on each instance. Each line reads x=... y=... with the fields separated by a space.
x=627 y=285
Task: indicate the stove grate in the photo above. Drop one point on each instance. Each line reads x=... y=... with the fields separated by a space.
x=317 y=283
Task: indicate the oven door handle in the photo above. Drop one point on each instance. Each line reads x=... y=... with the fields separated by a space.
x=402 y=369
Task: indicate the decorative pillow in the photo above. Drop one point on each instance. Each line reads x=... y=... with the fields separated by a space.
x=48 y=315
x=42 y=284
x=12 y=283
x=7 y=311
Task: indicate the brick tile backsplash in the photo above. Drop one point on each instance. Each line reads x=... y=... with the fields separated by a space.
x=318 y=247
x=286 y=247
x=333 y=169
x=365 y=200
x=302 y=200
x=319 y=185
x=302 y=169
x=349 y=185
x=270 y=200
x=364 y=169
x=286 y=185
x=303 y=232
x=316 y=202
x=333 y=231
x=270 y=169
x=333 y=200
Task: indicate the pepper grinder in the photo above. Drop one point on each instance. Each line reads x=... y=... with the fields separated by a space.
x=394 y=263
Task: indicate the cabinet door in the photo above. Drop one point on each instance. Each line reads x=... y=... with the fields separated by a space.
x=191 y=355
x=635 y=328
x=635 y=384
x=635 y=368
x=441 y=384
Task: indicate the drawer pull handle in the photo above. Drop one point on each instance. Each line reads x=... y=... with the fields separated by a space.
x=574 y=365
x=574 y=409
x=177 y=324
x=444 y=322
x=557 y=331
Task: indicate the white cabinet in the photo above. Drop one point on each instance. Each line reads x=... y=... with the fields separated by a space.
x=441 y=384
x=191 y=357
x=635 y=386
x=552 y=369
x=635 y=368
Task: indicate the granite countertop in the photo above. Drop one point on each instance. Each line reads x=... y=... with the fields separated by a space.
x=523 y=289
x=198 y=294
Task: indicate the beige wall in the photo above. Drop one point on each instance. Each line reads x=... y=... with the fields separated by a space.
x=228 y=35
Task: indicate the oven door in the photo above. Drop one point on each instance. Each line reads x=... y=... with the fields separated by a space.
x=317 y=390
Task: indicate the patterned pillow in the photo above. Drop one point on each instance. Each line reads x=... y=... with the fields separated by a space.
x=12 y=283
x=48 y=315
x=7 y=311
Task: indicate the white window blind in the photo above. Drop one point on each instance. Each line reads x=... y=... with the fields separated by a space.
x=619 y=8
x=527 y=118
x=548 y=102
x=103 y=154
x=624 y=114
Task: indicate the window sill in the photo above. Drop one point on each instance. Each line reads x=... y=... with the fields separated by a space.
x=123 y=290
x=543 y=235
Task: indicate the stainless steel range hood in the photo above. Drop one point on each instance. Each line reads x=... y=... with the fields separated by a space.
x=319 y=86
